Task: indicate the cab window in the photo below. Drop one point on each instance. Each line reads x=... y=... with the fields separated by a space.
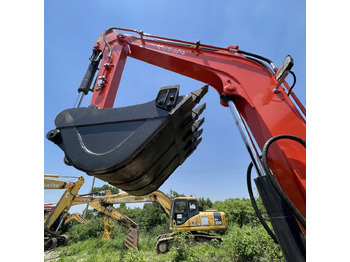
x=181 y=211
x=192 y=205
x=180 y=206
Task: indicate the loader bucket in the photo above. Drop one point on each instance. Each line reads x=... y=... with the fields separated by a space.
x=134 y=148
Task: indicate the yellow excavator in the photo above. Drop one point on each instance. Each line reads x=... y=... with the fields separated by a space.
x=183 y=213
x=57 y=220
x=111 y=213
x=53 y=221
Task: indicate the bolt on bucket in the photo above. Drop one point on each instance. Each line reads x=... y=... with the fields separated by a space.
x=134 y=148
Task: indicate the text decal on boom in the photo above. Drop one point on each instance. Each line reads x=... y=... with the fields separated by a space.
x=169 y=49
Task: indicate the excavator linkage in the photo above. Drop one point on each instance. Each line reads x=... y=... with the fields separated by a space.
x=134 y=148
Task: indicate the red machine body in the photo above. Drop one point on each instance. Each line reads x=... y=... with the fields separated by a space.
x=49 y=207
x=261 y=100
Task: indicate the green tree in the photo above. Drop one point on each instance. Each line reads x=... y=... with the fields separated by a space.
x=238 y=211
x=134 y=213
x=204 y=204
x=173 y=194
x=89 y=214
x=101 y=191
x=153 y=215
x=148 y=217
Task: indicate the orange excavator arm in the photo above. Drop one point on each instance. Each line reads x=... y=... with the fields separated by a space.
x=238 y=76
x=252 y=83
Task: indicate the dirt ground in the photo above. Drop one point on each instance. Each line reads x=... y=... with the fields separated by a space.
x=51 y=255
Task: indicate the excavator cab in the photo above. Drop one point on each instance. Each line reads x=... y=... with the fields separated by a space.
x=134 y=148
x=183 y=209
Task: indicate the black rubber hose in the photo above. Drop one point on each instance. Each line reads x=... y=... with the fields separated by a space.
x=295 y=80
x=273 y=179
x=257 y=56
x=255 y=206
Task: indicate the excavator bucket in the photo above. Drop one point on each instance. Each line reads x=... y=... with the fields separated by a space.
x=134 y=148
x=132 y=238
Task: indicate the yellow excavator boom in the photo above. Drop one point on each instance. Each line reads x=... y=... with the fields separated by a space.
x=106 y=208
x=69 y=198
x=72 y=189
x=156 y=197
x=76 y=217
x=112 y=213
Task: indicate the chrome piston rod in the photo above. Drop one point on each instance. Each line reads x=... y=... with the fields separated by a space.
x=247 y=139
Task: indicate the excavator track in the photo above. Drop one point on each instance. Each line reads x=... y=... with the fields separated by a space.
x=62 y=240
x=55 y=241
x=50 y=243
x=166 y=241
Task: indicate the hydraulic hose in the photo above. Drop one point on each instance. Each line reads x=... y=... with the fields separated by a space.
x=257 y=56
x=183 y=43
x=255 y=206
x=294 y=81
x=106 y=42
x=273 y=179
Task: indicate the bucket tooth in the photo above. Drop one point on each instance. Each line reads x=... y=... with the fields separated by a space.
x=198 y=110
x=134 y=148
x=190 y=149
x=199 y=93
x=197 y=134
x=194 y=116
x=197 y=124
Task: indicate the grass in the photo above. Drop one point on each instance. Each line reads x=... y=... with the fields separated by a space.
x=98 y=250
x=239 y=244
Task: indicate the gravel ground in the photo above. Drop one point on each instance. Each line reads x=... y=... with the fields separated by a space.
x=51 y=255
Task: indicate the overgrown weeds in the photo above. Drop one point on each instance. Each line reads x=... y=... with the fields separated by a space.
x=239 y=244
